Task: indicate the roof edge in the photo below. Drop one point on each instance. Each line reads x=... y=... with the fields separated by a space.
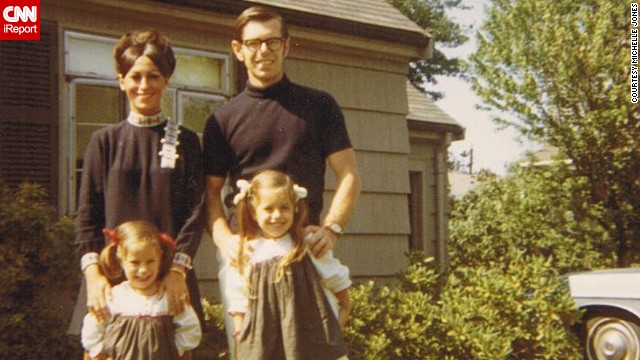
x=457 y=130
x=303 y=19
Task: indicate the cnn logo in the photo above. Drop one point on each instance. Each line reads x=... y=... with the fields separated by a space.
x=20 y=20
x=14 y=14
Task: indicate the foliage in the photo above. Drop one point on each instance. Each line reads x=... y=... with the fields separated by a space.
x=399 y=322
x=461 y=163
x=503 y=296
x=562 y=67
x=431 y=16
x=532 y=212
x=35 y=275
x=215 y=338
x=520 y=312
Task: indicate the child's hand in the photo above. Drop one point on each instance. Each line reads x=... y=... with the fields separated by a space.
x=344 y=301
x=101 y=356
x=343 y=316
x=238 y=319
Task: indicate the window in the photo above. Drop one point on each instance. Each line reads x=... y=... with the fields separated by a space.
x=416 y=212
x=196 y=107
x=198 y=86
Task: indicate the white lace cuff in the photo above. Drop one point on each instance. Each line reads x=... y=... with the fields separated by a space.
x=88 y=259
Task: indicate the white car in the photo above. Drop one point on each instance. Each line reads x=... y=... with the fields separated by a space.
x=611 y=301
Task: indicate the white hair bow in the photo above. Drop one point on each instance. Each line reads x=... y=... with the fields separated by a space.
x=300 y=192
x=244 y=186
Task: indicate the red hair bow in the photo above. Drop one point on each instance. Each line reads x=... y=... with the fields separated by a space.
x=167 y=240
x=112 y=235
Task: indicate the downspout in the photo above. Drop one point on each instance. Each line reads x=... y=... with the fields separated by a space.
x=442 y=201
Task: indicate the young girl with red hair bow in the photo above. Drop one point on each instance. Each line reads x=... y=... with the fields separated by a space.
x=140 y=326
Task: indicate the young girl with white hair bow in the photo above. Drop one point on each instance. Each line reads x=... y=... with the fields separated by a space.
x=285 y=303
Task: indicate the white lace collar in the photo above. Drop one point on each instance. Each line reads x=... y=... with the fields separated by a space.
x=144 y=120
x=263 y=249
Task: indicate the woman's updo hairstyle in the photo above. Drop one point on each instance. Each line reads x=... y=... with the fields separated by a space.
x=149 y=43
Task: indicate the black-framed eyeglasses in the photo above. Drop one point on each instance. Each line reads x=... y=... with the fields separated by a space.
x=273 y=44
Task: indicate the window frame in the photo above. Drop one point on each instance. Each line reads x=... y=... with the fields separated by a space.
x=72 y=124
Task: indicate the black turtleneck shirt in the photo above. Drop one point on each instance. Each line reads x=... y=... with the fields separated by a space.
x=285 y=127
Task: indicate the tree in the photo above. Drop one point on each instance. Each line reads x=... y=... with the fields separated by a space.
x=532 y=211
x=562 y=67
x=431 y=16
x=36 y=276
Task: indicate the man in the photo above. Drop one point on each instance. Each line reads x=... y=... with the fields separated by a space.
x=276 y=124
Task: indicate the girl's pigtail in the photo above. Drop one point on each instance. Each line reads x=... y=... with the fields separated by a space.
x=109 y=263
x=300 y=221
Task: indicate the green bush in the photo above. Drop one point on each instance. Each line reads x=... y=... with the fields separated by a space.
x=396 y=322
x=524 y=312
x=502 y=297
x=37 y=272
x=214 y=342
x=535 y=211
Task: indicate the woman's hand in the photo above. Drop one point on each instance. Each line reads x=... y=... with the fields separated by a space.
x=175 y=286
x=98 y=292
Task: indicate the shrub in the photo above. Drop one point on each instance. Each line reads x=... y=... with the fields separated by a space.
x=399 y=322
x=36 y=273
x=538 y=212
x=214 y=341
x=523 y=312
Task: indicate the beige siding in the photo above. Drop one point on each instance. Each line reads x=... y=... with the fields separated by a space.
x=353 y=88
x=377 y=132
x=373 y=255
x=384 y=214
x=380 y=172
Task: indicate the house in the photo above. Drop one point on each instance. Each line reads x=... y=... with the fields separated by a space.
x=55 y=92
x=545 y=156
x=431 y=131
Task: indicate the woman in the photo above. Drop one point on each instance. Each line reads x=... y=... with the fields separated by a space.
x=146 y=167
